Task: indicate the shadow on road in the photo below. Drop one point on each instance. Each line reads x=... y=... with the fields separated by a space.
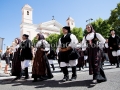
x=50 y=83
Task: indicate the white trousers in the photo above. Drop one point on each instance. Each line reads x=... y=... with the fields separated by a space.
x=71 y=63
x=50 y=61
x=116 y=53
x=25 y=63
x=85 y=57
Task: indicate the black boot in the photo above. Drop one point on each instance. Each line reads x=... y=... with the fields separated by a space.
x=17 y=77
x=10 y=65
x=65 y=72
x=35 y=80
x=26 y=73
x=53 y=66
x=74 y=75
x=117 y=59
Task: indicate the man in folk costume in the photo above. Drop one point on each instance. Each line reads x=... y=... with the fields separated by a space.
x=26 y=54
x=66 y=45
x=114 y=44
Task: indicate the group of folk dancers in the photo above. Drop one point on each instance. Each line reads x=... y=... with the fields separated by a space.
x=67 y=52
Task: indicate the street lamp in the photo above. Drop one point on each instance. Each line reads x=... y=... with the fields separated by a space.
x=89 y=20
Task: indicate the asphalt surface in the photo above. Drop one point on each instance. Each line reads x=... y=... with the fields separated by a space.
x=83 y=82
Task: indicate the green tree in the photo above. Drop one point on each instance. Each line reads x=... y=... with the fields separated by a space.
x=114 y=19
x=78 y=32
x=34 y=41
x=53 y=40
x=101 y=26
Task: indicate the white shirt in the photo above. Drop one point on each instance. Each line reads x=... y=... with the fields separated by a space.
x=106 y=45
x=90 y=37
x=16 y=47
x=113 y=36
x=47 y=45
x=73 y=43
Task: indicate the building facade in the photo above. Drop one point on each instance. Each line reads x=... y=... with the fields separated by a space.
x=46 y=28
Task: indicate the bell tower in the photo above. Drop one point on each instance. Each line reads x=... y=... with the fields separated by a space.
x=27 y=22
x=27 y=14
x=70 y=22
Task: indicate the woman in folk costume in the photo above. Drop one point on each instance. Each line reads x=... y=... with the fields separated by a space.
x=94 y=58
x=26 y=54
x=66 y=45
x=41 y=68
x=114 y=44
x=16 y=62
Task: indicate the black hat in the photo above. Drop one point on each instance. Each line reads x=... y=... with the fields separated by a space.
x=67 y=28
x=26 y=35
x=112 y=30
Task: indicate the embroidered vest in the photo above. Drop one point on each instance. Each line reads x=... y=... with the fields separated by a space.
x=93 y=41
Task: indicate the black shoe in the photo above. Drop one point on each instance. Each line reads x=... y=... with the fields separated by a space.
x=66 y=78
x=117 y=66
x=16 y=78
x=79 y=69
x=35 y=80
x=26 y=77
x=73 y=78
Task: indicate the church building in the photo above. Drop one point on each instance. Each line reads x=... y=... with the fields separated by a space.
x=46 y=28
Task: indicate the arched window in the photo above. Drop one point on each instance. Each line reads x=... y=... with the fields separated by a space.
x=68 y=24
x=27 y=12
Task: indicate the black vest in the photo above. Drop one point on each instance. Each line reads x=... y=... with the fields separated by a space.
x=94 y=40
x=65 y=41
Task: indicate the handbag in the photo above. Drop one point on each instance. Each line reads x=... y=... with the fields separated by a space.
x=74 y=55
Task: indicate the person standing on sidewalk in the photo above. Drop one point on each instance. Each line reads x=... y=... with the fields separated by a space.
x=7 y=59
x=41 y=68
x=16 y=62
x=89 y=43
x=114 y=44
x=26 y=54
x=66 y=57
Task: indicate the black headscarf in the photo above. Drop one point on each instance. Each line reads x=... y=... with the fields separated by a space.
x=19 y=41
x=67 y=28
x=41 y=37
x=92 y=30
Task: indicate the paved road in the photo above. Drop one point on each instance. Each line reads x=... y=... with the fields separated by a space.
x=83 y=81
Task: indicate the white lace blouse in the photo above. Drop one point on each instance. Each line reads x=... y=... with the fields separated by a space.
x=90 y=37
x=46 y=44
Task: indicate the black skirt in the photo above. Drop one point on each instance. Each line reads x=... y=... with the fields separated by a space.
x=64 y=56
x=95 y=64
x=41 y=65
x=16 y=65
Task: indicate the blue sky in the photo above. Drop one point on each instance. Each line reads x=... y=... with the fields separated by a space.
x=43 y=10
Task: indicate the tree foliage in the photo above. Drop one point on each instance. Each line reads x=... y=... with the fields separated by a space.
x=78 y=32
x=101 y=26
x=34 y=41
x=114 y=19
